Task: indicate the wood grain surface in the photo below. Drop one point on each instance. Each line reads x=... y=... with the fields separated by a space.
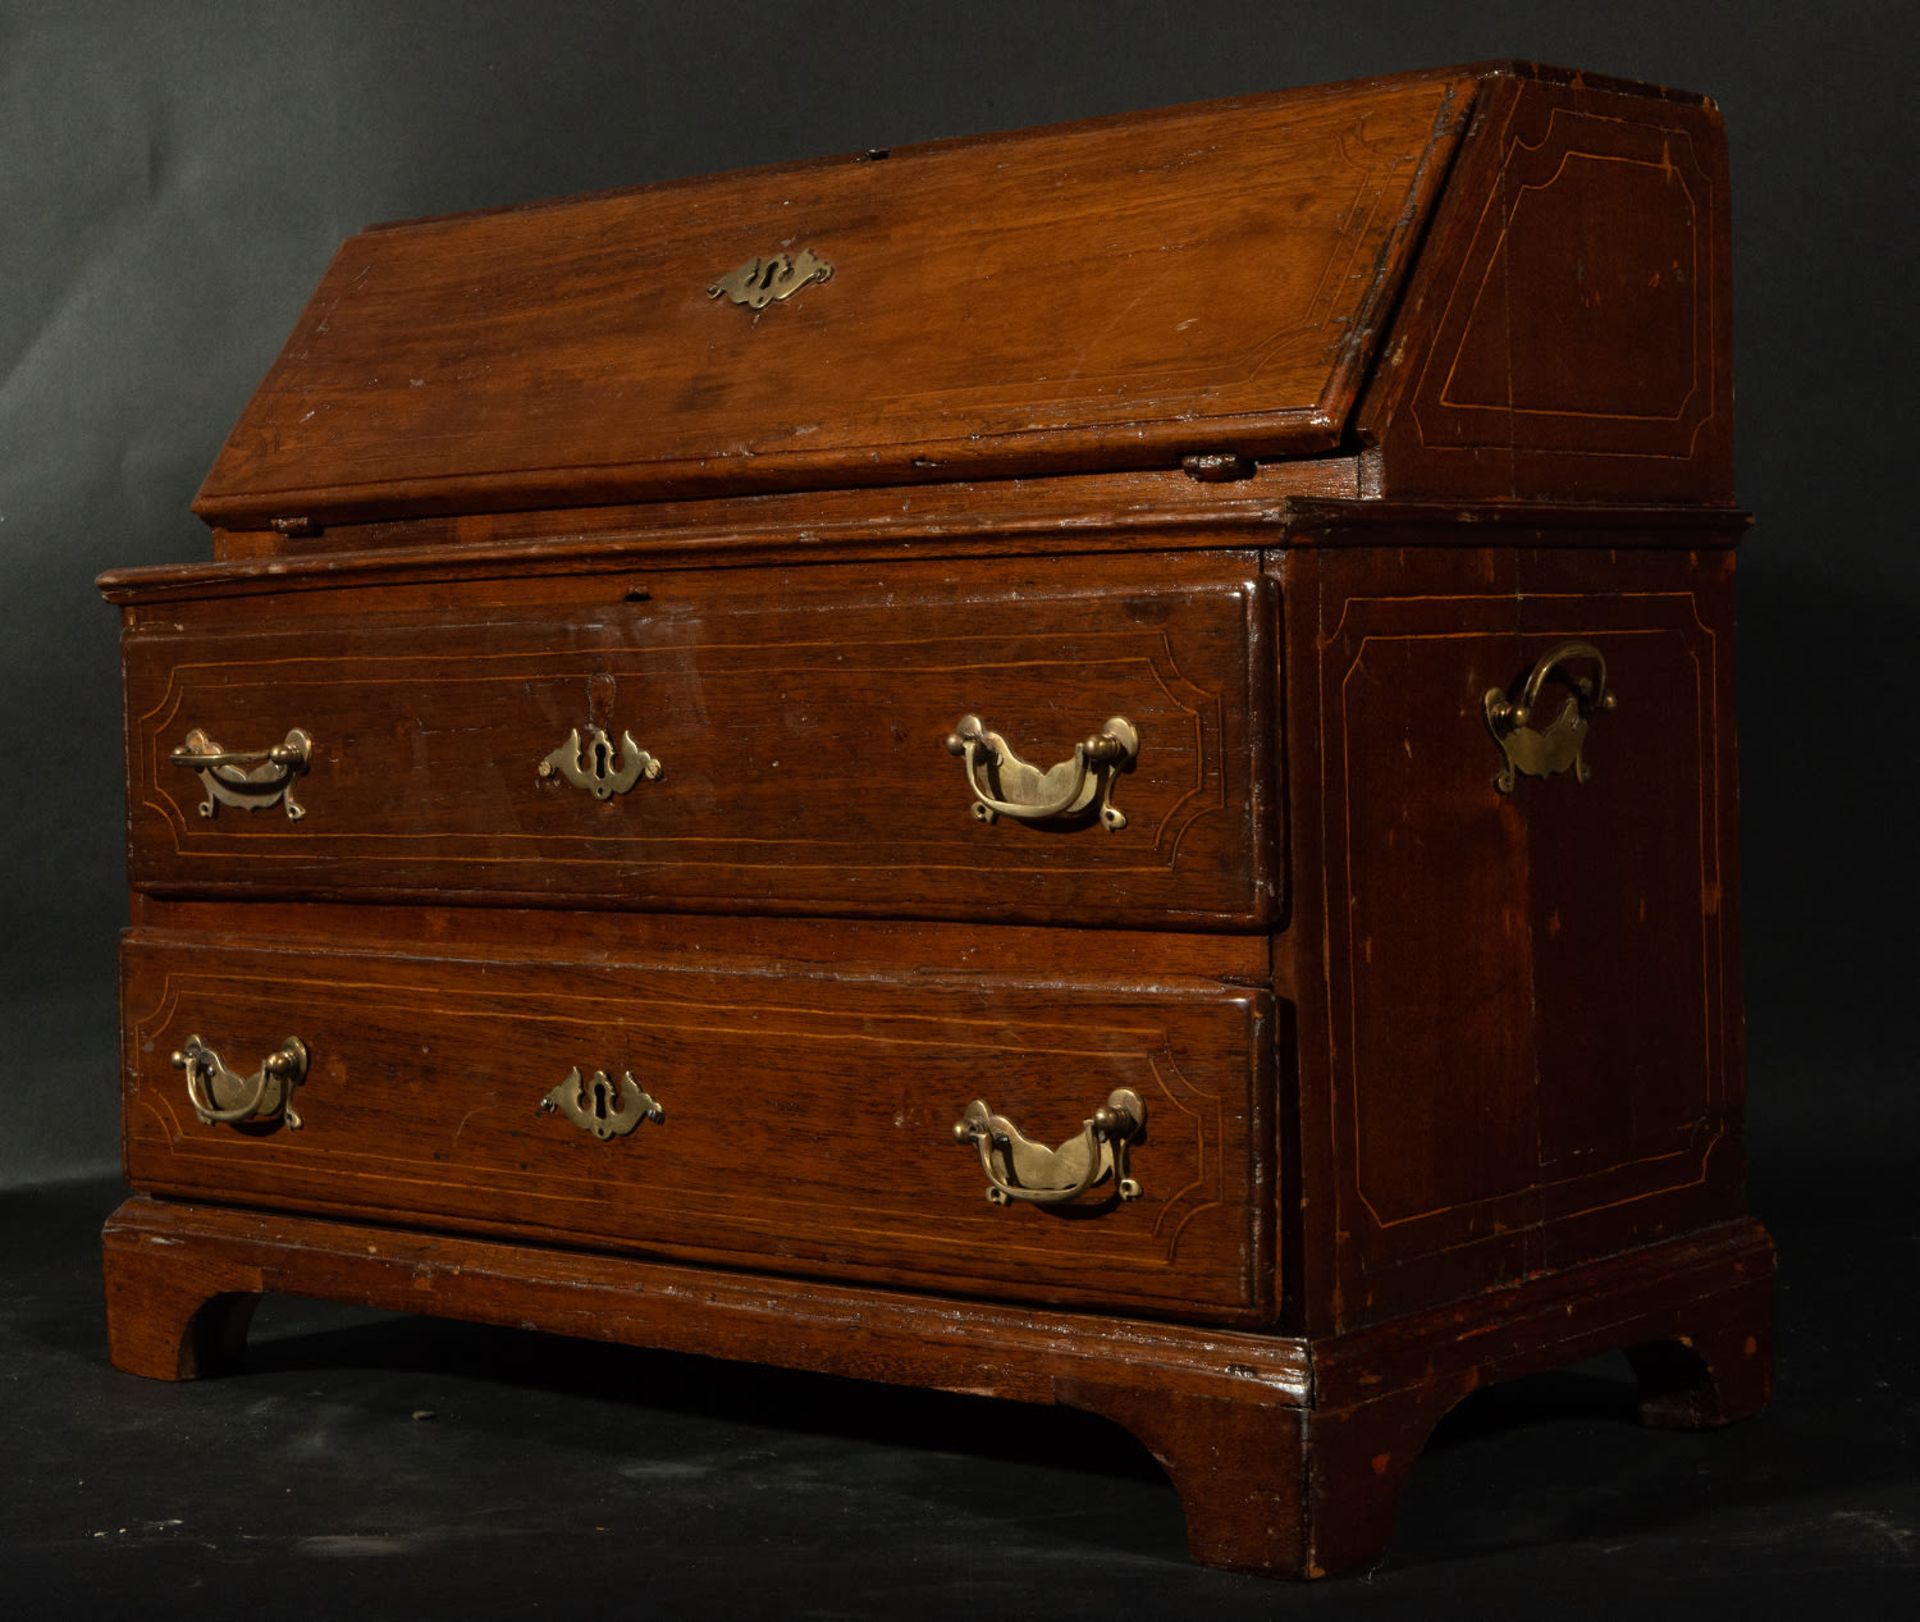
x=1131 y=290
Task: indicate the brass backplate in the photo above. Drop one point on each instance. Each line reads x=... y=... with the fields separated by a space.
x=249 y=779
x=763 y=281
x=592 y=766
x=602 y=1106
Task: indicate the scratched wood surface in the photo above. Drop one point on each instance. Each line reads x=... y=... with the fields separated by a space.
x=1528 y=1032
x=1130 y=289
x=799 y=719
x=808 y=1118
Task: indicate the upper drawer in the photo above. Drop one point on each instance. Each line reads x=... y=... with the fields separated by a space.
x=779 y=741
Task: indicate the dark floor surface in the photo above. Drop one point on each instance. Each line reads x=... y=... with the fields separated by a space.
x=371 y=1466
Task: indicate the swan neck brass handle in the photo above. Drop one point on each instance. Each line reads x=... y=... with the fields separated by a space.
x=1545 y=751
x=1004 y=785
x=606 y=1108
x=1017 y=1168
x=248 y=779
x=219 y=1095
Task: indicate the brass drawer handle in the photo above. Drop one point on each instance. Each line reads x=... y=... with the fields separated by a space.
x=601 y=1106
x=1542 y=753
x=1013 y=788
x=1017 y=1168
x=217 y=1094
x=593 y=769
x=250 y=779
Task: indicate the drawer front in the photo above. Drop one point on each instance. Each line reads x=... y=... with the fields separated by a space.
x=789 y=744
x=806 y=1119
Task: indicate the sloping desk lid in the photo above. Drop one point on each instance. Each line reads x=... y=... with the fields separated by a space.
x=1108 y=294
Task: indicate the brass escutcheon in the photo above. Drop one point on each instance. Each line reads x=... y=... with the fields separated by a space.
x=1017 y=1168
x=250 y=779
x=217 y=1094
x=1005 y=785
x=760 y=282
x=592 y=768
x=1542 y=753
x=601 y=1106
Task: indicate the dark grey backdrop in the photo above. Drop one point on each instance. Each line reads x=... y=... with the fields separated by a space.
x=173 y=179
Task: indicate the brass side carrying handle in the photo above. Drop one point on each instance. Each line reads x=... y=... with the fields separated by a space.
x=1544 y=752
x=1017 y=1168
x=1012 y=788
x=219 y=1095
x=250 y=779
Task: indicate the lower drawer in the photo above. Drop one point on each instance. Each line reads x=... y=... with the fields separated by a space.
x=807 y=1119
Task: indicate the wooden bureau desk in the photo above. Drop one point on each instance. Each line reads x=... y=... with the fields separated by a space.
x=1094 y=765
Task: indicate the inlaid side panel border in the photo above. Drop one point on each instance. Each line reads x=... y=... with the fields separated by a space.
x=1586 y=1095
x=1568 y=331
